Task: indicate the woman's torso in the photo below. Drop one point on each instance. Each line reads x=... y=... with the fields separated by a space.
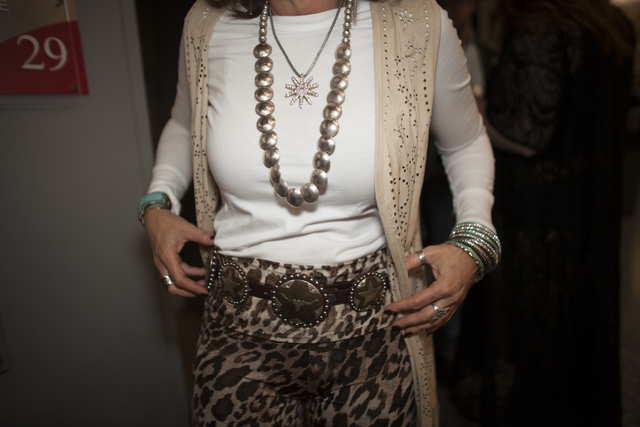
x=253 y=222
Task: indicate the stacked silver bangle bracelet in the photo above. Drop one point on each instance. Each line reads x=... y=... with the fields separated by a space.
x=480 y=243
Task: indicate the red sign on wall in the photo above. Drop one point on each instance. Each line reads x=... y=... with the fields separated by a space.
x=40 y=50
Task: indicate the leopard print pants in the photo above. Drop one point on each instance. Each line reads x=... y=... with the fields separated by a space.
x=242 y=380
x=244 y=377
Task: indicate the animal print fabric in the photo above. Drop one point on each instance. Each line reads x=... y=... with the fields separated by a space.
x=244 y=380
x=256 y=316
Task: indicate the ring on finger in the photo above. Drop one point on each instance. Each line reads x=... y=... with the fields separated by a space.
x=439 y=312
x=165 y=281
x=422 y=257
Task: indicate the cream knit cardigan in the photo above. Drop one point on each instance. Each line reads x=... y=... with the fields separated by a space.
x=406 y=36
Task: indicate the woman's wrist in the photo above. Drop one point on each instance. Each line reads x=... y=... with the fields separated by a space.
x=480 y=243
x=156 y=200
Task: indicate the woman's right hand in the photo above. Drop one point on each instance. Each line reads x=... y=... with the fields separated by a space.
x=167 y=234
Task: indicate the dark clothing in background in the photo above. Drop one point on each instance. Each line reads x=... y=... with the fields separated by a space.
x=540 y=336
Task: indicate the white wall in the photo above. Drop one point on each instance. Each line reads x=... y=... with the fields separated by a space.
x=85 y=323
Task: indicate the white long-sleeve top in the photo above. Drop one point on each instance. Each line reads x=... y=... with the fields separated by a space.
x=344 y=223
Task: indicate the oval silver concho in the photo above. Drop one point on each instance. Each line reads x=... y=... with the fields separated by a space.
x=212 y=270
x=368 y=291
x=300 y=300
x=233 y=283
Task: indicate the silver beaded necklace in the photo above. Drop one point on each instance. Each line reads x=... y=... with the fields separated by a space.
x=302 y=88
x=329 y=127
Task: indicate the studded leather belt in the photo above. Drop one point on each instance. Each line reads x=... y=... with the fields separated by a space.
x=298 y=299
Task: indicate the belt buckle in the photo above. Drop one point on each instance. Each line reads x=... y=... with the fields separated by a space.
x=368 y=291
x=300 y=300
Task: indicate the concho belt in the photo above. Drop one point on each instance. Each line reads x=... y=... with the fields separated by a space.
x=298 y=299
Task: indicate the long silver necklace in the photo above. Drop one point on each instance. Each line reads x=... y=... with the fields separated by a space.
x=329 y=127
x=302 y=87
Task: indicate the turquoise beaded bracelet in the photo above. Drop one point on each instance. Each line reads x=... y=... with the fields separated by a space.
x=156 y=200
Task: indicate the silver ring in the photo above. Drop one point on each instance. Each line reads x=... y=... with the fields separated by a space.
x=165 y=281
x=439 y=312
x=422 y=257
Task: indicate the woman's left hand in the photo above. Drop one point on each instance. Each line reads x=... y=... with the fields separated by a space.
x=454 y=273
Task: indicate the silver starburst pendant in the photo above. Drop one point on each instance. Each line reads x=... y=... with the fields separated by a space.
x=301 y=90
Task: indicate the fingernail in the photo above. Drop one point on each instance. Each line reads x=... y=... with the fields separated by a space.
x=212 y=237
x=388 y=312
x=407 y=335
x=395 y=328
